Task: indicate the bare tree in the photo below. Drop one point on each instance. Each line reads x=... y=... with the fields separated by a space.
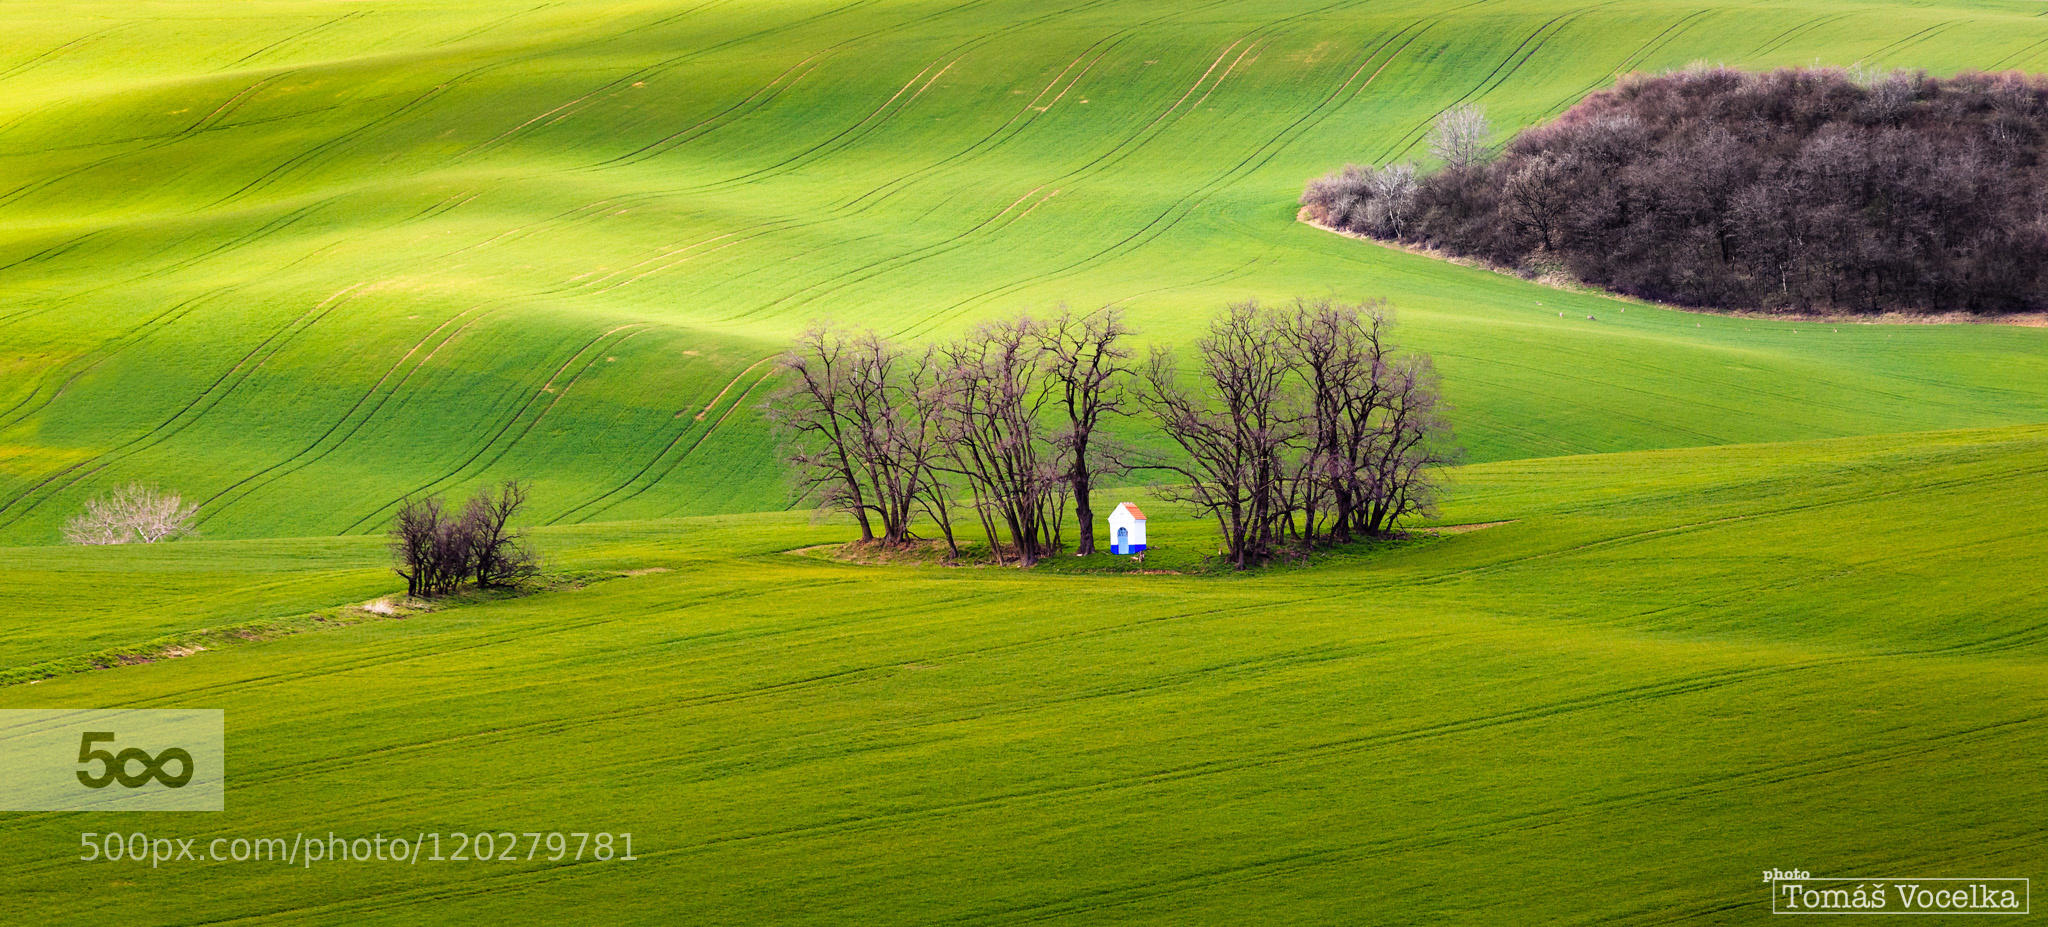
x=1534 y=197
x=1089 y=368
x=819 y=436
x=1306 y=425
x=893 y=442
x=1458 y=138
x=1341 y=353
x=1410 y=448
x=856 y=429
x=498 y=554
x=993 y=395
x=134 y=513
x=423 y=548
x=1378 y=201
x=1393 y=200
x=1235 y=432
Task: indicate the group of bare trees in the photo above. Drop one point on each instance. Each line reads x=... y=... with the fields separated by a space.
x=1302 y=425
x=438 y=548
x=1801 y=188
x=1005 y=420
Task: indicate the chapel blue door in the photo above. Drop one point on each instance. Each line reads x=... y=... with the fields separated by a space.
x=1123 y=541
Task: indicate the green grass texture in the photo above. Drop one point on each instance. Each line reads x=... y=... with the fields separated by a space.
x=1713 y=595
x=298 y=260
x=1660 y=674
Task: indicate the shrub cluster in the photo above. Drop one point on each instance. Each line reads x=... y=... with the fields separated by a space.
x=1802 y=189
x=438 y=548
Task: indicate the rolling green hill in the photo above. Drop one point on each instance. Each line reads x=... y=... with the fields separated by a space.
x=300 y=259
x=1665 y=672
x=1716 y=594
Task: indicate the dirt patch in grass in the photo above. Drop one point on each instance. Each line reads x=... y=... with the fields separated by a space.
x=1461 y=529
x=201 y=640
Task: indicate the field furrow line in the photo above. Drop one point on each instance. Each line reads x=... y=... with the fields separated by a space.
x=673 y=442
x=294 y=463
x=1181 y=208
x=1530 y=46
x=58 y=50
x=78 y=367
x=1914 y=39
x=882 y=114
x=592 y=348
x=322 y=27
x=215 y=393
x=1600 y=809
x=677 y=461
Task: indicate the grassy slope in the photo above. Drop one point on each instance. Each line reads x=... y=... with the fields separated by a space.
x=326 y=253
x=300 y=259
x=1671 y=670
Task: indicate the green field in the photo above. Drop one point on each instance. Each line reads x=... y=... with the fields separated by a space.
x=1760 y=595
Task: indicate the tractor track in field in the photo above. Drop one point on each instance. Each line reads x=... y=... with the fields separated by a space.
x=1010 y=128
x=1798 y=31
x=263 y=230
x=1221 y=276
x=70 y=371
x=211 y=397
x=495 y=24
x=738 y=403
x=307 y=156
x=303 y=33
x=686 y=252
x=1629 y=64
x=206 y=123
x=745 y=106
x=546 y=388
x=1507 y=68
x=1604 y=808
x=882 y=114
x=671 y=445
x=1122 y=149
x=1266 y=760
x=644 y=73
x=518 y=637
x=1569 y=373
x=564 y=110
x=2017 y=56
x=1911 y=40
x=689 y=251
x=1385 y=53
x=994 y=224
x=720 y=598
x=53 y=251
x=1634 y=537
x=1831 y=764
x=846 y=137
x=264 y=477
x=48 y=54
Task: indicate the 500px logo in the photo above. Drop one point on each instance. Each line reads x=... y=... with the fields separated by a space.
x=154 y=759
x=114 y=766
